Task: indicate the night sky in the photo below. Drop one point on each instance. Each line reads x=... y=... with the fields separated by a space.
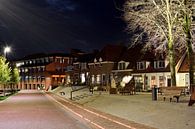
x=35 y=26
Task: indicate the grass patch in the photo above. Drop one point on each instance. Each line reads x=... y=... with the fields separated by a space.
x=3 y=97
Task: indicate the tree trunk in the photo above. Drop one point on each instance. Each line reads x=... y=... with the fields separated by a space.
x=187 y=27
x=170 y=44
x=171 y=57
x=172 y=64
x=190 y=56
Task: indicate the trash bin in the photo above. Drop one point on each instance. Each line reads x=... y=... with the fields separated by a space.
x=154 y=93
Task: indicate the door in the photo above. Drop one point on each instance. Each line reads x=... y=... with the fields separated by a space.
x=169 y=82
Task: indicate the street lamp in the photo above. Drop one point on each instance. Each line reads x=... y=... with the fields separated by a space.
x=7 y=49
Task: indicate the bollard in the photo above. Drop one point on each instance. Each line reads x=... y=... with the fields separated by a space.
x=154 y=93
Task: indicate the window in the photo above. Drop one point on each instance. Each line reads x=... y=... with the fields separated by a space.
x=26 y=70
x=63 y=60
x=83 y=66
x=161 y=81
x=42 y=78
x=153 y=80
x=121 y=66
x=155 y=64
x=159 y=64
x=93 y=79
x=98 y=79
x=42 y=69
x=51 y=59
x=104 y=79
x=47 y=59
x=141 y=65
x=83 y=79
x=76 y=66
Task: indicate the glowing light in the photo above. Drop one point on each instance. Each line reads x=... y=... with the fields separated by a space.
x=126 y=79
x=82 y=78
x=7 y=49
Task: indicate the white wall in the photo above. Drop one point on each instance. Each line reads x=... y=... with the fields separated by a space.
x=181 y=78
x=166 y=75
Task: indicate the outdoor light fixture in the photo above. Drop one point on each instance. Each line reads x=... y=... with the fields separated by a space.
x=7 y=49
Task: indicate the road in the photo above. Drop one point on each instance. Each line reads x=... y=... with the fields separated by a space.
x=33 y=110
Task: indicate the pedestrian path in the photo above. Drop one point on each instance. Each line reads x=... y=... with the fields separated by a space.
x=141 y=109
x=99 y=119
x=33 y=110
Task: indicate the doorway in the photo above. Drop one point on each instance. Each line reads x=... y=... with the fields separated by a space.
x=169 y=82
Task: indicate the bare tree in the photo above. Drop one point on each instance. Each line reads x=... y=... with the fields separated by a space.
x=188 y=34
x=163 y=22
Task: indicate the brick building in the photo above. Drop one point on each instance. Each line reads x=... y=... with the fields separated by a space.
x=80 y=74
x=100 y=69
x=43 y=71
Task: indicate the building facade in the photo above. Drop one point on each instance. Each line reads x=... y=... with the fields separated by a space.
x=43 y=71
x=100 y=69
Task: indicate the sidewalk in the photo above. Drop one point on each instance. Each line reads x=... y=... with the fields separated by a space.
x=141 y=109
x=31 y=109
x=99 y=119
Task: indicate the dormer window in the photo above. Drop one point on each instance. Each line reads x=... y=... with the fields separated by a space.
x=121 y=66
x=159 y=64
x=141 y=65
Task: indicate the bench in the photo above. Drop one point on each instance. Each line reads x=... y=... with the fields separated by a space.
x=172 y=92
x=129 y=88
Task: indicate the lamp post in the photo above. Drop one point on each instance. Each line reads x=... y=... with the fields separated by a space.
x=7 y=49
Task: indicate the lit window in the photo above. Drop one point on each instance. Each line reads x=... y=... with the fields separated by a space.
x=161 y=81
x=153 y=80
x=83 y=78
x=98 y=79
x=26 y=70
x=93 y=79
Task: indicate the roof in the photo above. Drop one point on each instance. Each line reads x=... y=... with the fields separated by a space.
x=132 y=53
x=111 y=53
x=86 y=57
x=185 y=64
x=42 y=55
x=76 y=52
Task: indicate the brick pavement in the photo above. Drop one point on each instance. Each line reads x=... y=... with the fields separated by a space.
x=33 y=110
x=97 y=118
